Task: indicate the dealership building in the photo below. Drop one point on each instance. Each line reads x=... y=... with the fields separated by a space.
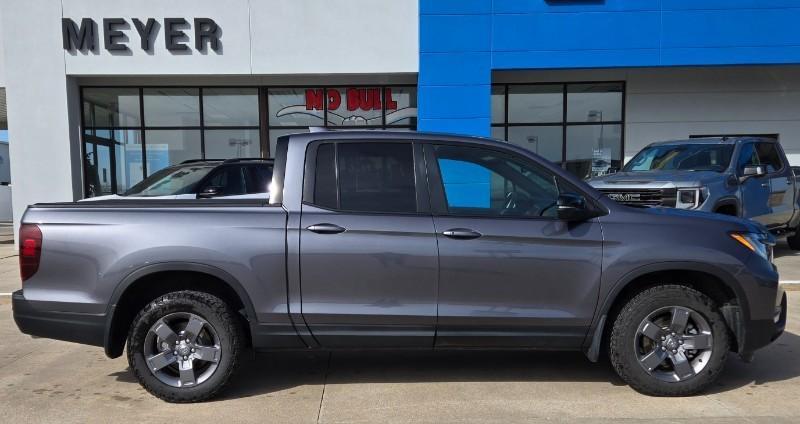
x=101 y=94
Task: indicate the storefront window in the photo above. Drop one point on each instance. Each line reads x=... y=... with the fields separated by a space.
x=172 y=107
x=584 y=133
x=228 y=107
x=232 y=143
x=294 y=109
x=132 y=132
x=111 y=107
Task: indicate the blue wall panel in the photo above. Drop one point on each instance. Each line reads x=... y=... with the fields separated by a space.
x=462 y=42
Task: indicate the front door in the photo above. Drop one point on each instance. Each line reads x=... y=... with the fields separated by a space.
x=511 y=273
x=781 y=196
x=754 y=191
x=368 y=258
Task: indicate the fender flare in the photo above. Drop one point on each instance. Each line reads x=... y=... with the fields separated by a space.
x=591 y=345
x=144 y=271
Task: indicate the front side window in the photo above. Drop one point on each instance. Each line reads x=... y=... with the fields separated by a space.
x=769 y=156
x=365 y=177
x=229 y=181
x=484 y=182
x=747 y=157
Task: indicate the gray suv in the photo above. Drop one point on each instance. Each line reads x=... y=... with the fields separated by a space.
x=399 y=240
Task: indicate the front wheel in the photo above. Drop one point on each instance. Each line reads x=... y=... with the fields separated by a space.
x=184 y=346
x=669 y=340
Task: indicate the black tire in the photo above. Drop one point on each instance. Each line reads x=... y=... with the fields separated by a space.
x=224 y=323
x=794 y=241
x=625 y=335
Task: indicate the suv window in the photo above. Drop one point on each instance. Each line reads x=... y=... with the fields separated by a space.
x=229 y=179
x=372 y=177
x=481 y=181
x=259 y=179
x=769 y=156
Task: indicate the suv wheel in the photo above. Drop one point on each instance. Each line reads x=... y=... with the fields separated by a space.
x=669 y=340
x=184 y=346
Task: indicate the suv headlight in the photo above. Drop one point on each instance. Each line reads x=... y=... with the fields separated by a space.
x=759 y=243
x=690 y=198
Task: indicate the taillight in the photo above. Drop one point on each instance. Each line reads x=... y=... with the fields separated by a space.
x=30 y=250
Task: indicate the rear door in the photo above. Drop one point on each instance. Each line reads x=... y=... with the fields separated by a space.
x=368 y=256
x=511 y=273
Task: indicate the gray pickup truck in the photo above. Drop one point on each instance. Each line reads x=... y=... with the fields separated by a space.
x=739 y=176
x=399 y=240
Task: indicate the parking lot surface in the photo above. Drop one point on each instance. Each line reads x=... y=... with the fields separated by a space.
x=51 y=381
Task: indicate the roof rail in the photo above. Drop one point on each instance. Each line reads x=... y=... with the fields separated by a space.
x=317 y=129
x=234 y=160
x=200 y=160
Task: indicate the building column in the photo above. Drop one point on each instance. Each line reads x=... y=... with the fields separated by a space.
x=455 y=67
x=42 y=108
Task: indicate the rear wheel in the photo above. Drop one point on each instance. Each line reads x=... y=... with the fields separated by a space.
x=184 y=346
x=669 y=340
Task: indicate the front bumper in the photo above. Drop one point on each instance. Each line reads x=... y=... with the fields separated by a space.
x=762 y=332
x=40 y=320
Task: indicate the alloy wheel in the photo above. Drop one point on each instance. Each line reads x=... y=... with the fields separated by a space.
x=673 y=343
x=182 y=349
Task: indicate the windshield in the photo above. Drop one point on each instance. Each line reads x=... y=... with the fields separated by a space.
x=690 y=157
x=170 y=181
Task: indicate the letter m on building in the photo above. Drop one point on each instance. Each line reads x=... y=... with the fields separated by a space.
x=80 y=38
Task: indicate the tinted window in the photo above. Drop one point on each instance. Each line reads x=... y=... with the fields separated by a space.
x=485 y=182
x=259 y=179
x=376 y=177
x=325 y=177
x=768 y=156
x=229 y=180
x=171 y=181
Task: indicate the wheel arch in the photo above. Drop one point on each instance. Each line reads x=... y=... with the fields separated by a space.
x=708 y=279
x=136 y=289
x=726 y=203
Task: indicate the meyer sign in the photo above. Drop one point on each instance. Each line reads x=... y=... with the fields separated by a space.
x=85 y=36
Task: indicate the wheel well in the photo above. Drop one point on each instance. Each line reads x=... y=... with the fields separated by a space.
x=149 y=287
x=705 y=283
x=729 y=209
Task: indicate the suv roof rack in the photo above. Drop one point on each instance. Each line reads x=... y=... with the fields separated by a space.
x=234 y=160
x=200 y=160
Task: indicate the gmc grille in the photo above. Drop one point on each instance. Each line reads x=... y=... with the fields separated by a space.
x=642 y=197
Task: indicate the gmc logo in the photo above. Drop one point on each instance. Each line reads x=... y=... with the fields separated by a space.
x=624 y=197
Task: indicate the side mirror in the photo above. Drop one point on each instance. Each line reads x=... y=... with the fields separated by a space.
x=572 y=207
x=752 y=171
x=210 y=192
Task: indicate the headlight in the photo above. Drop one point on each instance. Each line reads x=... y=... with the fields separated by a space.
x=758 y=243
x=690 y=198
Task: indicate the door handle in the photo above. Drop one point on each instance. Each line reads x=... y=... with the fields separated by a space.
x=461 y=234
x=325 y=229
x=764 y=184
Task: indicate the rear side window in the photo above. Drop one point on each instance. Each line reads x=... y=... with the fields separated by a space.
x=769 y=156
x=365 y=177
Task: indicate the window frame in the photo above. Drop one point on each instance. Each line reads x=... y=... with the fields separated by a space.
x=438 y=198
x=564 y=123
x=420 y=183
